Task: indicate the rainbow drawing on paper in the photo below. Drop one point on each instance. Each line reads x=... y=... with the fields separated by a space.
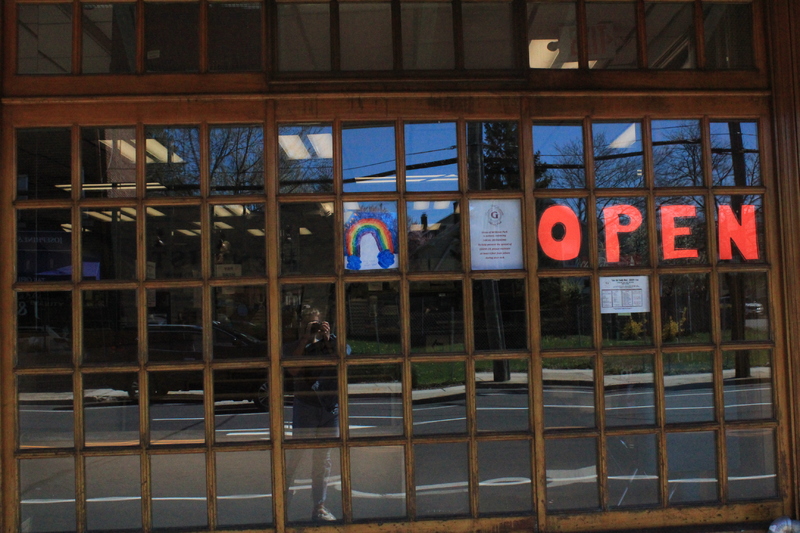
x=380 y=226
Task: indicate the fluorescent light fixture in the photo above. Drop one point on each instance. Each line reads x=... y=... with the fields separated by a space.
x=293 y=147
x=99 y=216
x=229 y=210
x=420 y=206
x=351 y=206
x=323 y=144
x=326 y=208
x=68 y=228
x=126 y=149
x=129 y=210
x=256 y=232
x=626 y=139
x=305 y=231
x=222 y=225
x=442 y=204
x=160 y=153
x=188 y=232
x=155 y=185
x=120 y=216
x=153 y=212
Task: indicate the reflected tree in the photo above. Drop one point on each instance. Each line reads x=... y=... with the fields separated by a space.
x=237 y=159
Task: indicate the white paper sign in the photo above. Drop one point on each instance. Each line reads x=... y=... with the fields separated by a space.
x=495 y=228
x=625 y=294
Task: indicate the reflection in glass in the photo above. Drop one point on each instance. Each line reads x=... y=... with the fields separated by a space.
x=178 y=484
x=562 y=232
x=622 y=231
x=688 y=387
x=44 y=39
x=499 y=317
x=740 y=228
x=553 y=35
x=747 y=384
x=312 y=52
x=47 y=494
x=493 y=154
x=734 y=154
x=173 y=242
x=365 y=22
x=236 y=154
x=685 y=313
x=368 y=157
x=434 y=235
x=437 y=466
x=375 y=400
x=629 y=390
x=108 y=243
x=692 y=467
x=173 y=159
x=427 y=36
x=110 y=334
x=568 y=392
x=431 y=162
x=373 y=317
x=171 y=37
x=244 y=489
x=305 y=158
x=571 y=469
x=237 y=241
x=565 y=312
x=109 y=39
x=313 y=484
x=632 y=470
x=314 y=391
x=45 y=411
x=44 y=329
x=627 y=329
x=174 y=330
x=677 y=152
x=108 y=159
x=111 y=409
x=488 y=42
x=240 y=320
x=44 y=158
x=304 y=311
x=744 y=306
x=176 y=407
x=241 y=405
x=437 y=316
x=504 y=483
x=670 y=35
x=501 y=394
x=728 y=30
x=618 y=160
x=611 y=34
x=681 y=230
x=558 y=155
x=751 y=464
x=378 y=482
x=438 y=398
x=234 y=37
x=113 y=493
x=307 y=238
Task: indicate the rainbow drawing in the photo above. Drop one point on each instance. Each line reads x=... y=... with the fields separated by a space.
x=382 y=226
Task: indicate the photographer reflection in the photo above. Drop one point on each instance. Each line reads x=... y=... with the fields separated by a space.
x=315 y=407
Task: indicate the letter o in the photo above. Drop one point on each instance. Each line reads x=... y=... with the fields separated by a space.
x=570 y=246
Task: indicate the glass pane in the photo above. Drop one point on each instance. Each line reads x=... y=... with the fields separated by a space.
x=178 y=484
x=176 y=408
x=368 y=157
x=734 y=154
x=110 y=332
x=685 y=308
x=632 y=471
x=44 y=162
x=611 y=34
x=751 y=464
x=427 y=36
x=618 y=161
x=437 y=316
x=234 y=37
x=173 y=242
x=688 y=387
x=504 y=485
x=629 y=390
x=437 y=466
x=306 y=312
x=565 y=312
x=499 y=317
x=378 y=482
x=108 y=161
x=493 y=155
x=113 y=493
x=692 y=467
x=747 y=384
x=306 y=158
x=241 y=405
x=174 y=330
x=571 y=469
x=562 y=232
x=568 y=392
x=244 y=489
x=240 y=322
x=552 y=35
x=312 y=475
x=237 y=156
x=501 y=395
x=728 y=30
x=315 y=402
x=682 y=230
x=627 y=329
x=109 y=39
x=740 y=228
x=237 y=242
x=431 y=163
x=677 y=152
x=307 y=238
x=434 y=235
x=365 y=22
x=47 y=494
x=45 y=411
x=488 y=42
x=111 y=409
x=375 y=400
x=558 y=155
x=744 y=306
x=373 y=317
x=173 y=159
x=171 y=37
x=108 y=243
x=44 y=39
x=670 y=35
x=44 y=329
x=622 y=231
x=438 y=398
x=310 y=52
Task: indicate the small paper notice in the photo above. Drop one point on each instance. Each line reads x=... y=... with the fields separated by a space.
x=629 y=294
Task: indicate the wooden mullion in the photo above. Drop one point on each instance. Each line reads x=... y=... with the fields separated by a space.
x=77 y=44
x=202 y=37
x=699 y=34
x=582 y=35
x=641 y=35
x=397 y=37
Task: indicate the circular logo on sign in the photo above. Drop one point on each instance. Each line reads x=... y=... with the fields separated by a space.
x=494 y=215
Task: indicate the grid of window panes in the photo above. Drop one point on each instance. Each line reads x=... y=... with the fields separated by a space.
x=418 y=337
